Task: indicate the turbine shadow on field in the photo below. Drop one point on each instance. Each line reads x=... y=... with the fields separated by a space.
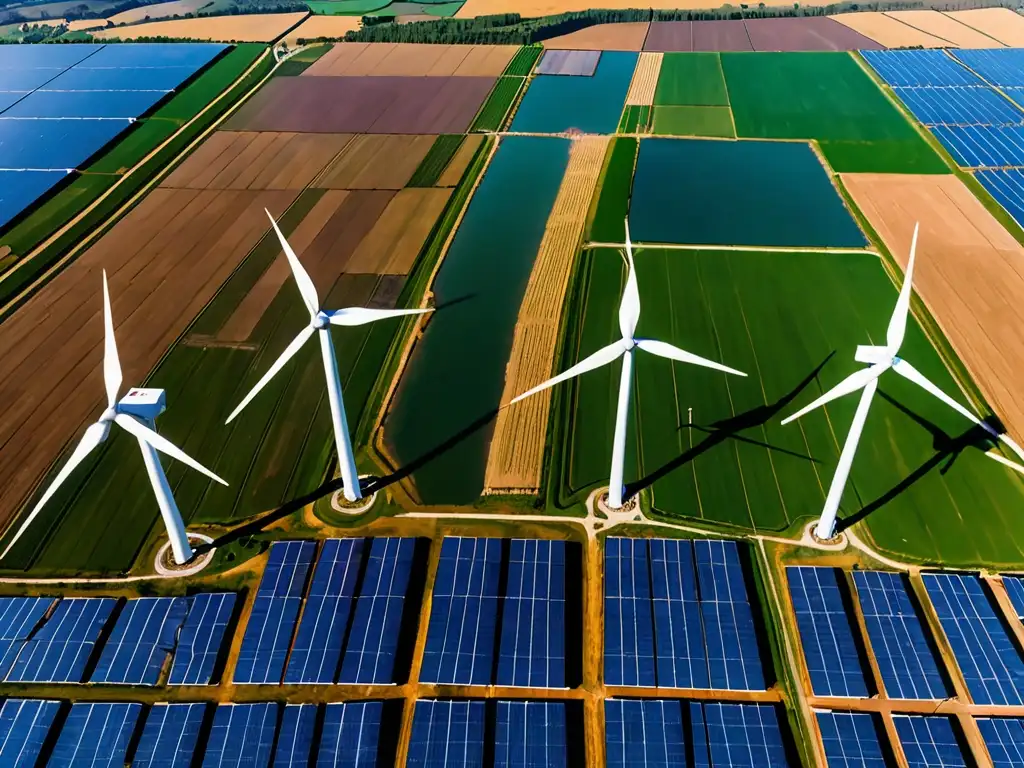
x=729 y=429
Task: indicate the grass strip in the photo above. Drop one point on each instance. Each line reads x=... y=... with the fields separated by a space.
x=437 y=159
x=492 y=116
x=522 y=63
x=613 y=204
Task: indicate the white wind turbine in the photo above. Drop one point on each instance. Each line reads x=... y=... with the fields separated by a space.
x=320 y=322
x=629 y=314
x=135 y=413
x=881 y=359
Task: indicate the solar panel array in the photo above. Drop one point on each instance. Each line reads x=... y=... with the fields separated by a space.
x=19 y=616
x=169 y=736
x=242 y=735
x=852 y=739
x=447 y=733
x=95 y=734
x=929 y=741
x=295 y=736
x=141 y=642
x=530 y=734
x=1004 y=738
x=351 y=735
x=59 y=651
x=998 y=66
x=201 y=638
x=24 y=725
x=1015 y=590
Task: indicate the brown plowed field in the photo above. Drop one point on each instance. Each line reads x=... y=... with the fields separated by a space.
x=1001 y=24
x=624 y=36
x=969 y=272
x=397 y=238
x=376 y=161
x=241 y=28
x=165 y=260
x=460 y=162
x=888 y=31
x=413 y=60
x=645 y=79
x=515 y=461
x=945 y=28
x=250 y=160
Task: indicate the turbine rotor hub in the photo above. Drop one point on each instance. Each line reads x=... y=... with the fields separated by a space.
x=108 y=415
x=321 y=321
x=630 y=342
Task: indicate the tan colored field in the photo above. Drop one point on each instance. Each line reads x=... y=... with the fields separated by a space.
x=413 y=60
x=157 y=11
x=534 y=8
x=251 y=160
x=460 y=162
x=515 y=461
x=1004 y=25
x=79 y=25
x=324 y=26
x=945 y=28
x=625 y=36
x=969 y=272
x=887 y=31
x=645 y=79
x=397 y=238
x=243 y=28
x=376 y=161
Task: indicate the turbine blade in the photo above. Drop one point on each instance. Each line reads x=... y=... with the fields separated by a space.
x=898 y=322
x=907 y=371
x=162 y=444
x=94 y=435
x=306 y=287
x=851 y=383
x=661 y=349
x=362 y=315
x=1005 y=461
x=287 y=355
x=629 y=308
x=112 y=376
x=603 y=356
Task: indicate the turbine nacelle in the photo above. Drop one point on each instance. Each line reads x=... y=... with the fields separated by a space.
x=145 y=404
x=874 y=355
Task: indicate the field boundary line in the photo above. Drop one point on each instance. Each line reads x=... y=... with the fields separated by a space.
x=918 y=29
x=758 y=248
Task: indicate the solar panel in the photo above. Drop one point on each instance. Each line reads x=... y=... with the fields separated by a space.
x=532 y=648
x=169 y=736
x=41 y=55
x=295 y=738
x=316 y=653
x=448 y=734
x=24 y=725
x=682 y=656
x=275 y=610
x=648 y=733
x=373 y=640
x=242 y=736
x=161 y=79
x=960 y=106
x=983 y=146
x=826 y=633
x=987 y=656
x=919 y=68
x=141 y=642
x=146 y=55
x=852 y=739
x=18 y=617
x=1015 y=584
x=628 y=627
x=744 y=735
x=907 y=662
x=201 y=638
x=59 y=651
x=929 y=741
x=530 y=734
x=18 y=189
x=1007 y=187
x=54 y=144
x=1004 y=737
x=95 y=735
x=999 y=66
x=79 y=104
x=464 y=613
x=350 y=735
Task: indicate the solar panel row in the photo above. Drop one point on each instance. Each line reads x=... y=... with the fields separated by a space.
x=958 y=105
x=95 y=735
x=59 y=651
x=169 y=736
x=999 y=66
x=1015 y=584
x=24 y=724
x=19 y=616
x=1004 y=738
x=141 y=642
x=201 y=638
x=974 y=146
x=852 y=739
x=1007 y=187
x=929 y=741
x=916 y=68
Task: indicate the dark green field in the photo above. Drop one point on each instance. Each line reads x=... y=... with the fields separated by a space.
x=694 y=121
x=613 y=201
x=691 y=79
x=492 y=113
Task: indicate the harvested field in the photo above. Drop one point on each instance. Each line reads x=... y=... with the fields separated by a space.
x=244 y=28
x=515 y=461
x=376 y=161
x=318 y=26
x=250 y=160
x=460 y=162
x=720 y=36
x=1001 y=24
x=413 y=60
x=645 y=79
x=968 y=274
x=567 y=62
x=364 y=104
x=945 y=28
x=625 y=36
x=809 y=33
x=155 y=11
x=887 y=31
x=397 y=238
x=668 y=36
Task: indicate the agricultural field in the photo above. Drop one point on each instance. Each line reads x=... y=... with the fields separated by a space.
x=242 y=28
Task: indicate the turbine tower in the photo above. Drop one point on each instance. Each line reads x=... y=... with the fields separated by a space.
x=136 y=414
x=629 y=314
x=320 y=323
x=879 y=360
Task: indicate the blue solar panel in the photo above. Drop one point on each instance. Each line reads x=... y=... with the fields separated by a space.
x=532 y=649
x=18 y=617
x=1015 y=584
x=75 y=104
x=1004 y=737
x=169 y=736
x=127 y=79
x=25 y=80
x=201 y=638
x=744 y=735
x=275 y=610
x=641 y=733
x=826 y=632
x=916 y=68
x=146 y=55
x=988 y=658
x=999 y=66
x=95 y=735
x=41 y=55
x=852 y=739
x=141 y=642
x=905 y=659
x=628 y=628
x=19 y=189
x=1007 y=187
x=464 y=613
x=242 y=736
x=530 y=734
x=59 y=651
x=373 y=641
x=316 y=652
x=980 y=146
x=24 y=725
x=960 y=106
x=682 y=656
x=53 y=144
x=448 y=734
x=929 y=741
x=295 y=738
x=350 y=735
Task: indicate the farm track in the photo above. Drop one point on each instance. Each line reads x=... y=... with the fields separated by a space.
x=645 y=79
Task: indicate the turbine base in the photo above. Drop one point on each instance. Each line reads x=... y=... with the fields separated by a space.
x=837 y=541
x=166 y=566
x=340 y=504
x=629 y=508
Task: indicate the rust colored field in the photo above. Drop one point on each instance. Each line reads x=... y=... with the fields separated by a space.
x=376 y=161
x=318 y=26
x=945 y=28
x=515 y=461
x=250 y=160
x=888 y=31
x=412 y=60
x=244 y=28
x=165 y=260
x=645 y=79
x=625 y=36
x=1001 y=24
x=969 y=272
x=460 y=162
x=397 y=238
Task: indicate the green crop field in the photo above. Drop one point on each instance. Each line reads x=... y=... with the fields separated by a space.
x=691 y=79
x=711 y=446
x=204 y=89
x=636 y=118
x=522 y=63
x=694 y=121
x=437 y=159
x=492 y=113
x=613 y=201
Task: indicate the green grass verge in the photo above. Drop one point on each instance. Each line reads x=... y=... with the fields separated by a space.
x=523 y=62
x=346 y=7
x=693 y=121
x=691 y=79
x=302 y=60
x=139 y=142
x=635 y=119
x=494 y=111
x=613 y=203
x=184 y=106
x=436 y=160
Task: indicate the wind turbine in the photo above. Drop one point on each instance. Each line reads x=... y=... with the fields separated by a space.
x=136 y=414
x=320 y=322
x=879 y=360
x=629 y=314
